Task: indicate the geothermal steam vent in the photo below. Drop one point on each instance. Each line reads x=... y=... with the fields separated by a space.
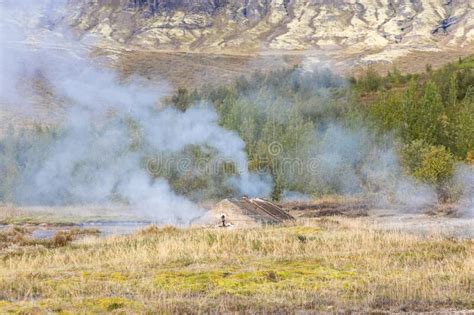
x=248 y=212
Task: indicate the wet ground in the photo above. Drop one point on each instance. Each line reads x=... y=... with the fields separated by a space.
x=382 y=219
x=436 y=220
x=420 y=223
x=105 y=228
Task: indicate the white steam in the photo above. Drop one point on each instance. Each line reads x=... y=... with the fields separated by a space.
x=109 y=125
x=356 y=163
x=464 y=177
x=91 y=160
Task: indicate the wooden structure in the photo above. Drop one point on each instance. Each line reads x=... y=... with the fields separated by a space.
x=248 y=212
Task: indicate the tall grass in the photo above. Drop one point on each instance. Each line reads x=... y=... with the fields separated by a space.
x=320 y=265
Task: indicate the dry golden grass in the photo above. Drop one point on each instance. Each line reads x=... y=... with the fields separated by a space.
x=193 y=70
x=320 y=265
x=416 y=61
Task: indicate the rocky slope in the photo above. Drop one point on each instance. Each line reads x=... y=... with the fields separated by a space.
x=383 y=29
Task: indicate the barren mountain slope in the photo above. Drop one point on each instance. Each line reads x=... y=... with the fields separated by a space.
x=347 y=27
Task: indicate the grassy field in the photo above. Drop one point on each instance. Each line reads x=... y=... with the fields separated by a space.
x=320 y=265
x=193 y=70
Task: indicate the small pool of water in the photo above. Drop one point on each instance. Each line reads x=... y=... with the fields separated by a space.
x=106 y=228
x=116 y=228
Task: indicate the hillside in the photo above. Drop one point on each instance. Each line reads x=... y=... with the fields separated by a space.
x=370 y=30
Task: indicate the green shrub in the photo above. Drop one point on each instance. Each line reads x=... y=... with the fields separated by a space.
x=370 y=81
x=430 y=164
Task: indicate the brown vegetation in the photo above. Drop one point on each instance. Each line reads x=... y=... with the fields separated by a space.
x=17 y=238
x=193 y=70
x=328 y=206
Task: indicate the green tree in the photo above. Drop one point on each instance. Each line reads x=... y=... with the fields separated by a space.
x=453 y=91
x=371 y=81
x=463 y=126
x=430 y=164
x=425 y=116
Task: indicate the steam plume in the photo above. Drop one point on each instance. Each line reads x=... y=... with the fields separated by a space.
x=91 y=159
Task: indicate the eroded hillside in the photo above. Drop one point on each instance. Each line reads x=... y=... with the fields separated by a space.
x=240 y=26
